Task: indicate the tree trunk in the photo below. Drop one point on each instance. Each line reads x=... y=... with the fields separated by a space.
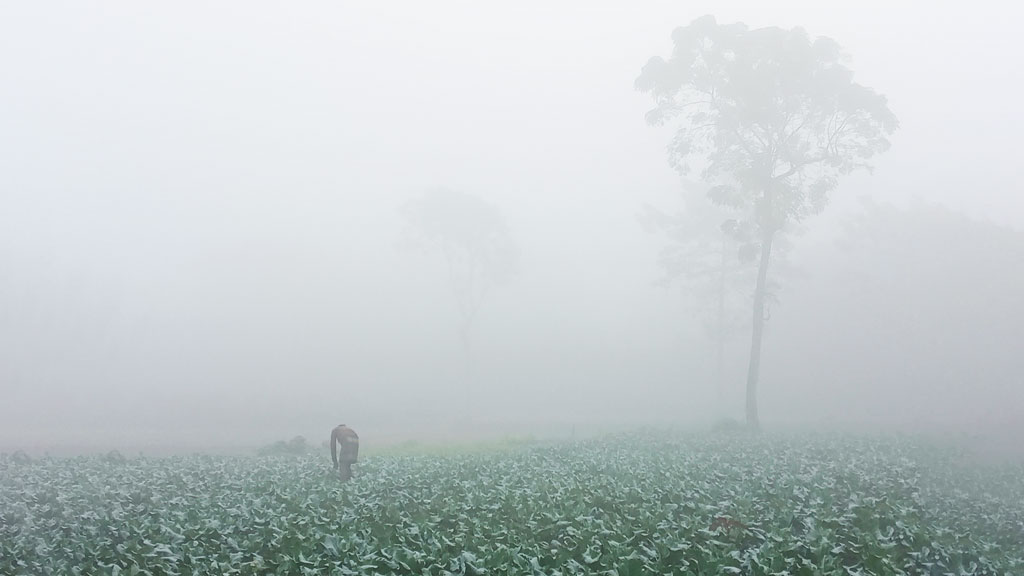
x=465 y=337
x=754 y=367
x=720 y=334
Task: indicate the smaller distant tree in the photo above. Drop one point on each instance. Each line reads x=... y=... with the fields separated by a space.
x=472 y=238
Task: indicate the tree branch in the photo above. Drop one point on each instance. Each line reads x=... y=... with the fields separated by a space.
x=796 y=167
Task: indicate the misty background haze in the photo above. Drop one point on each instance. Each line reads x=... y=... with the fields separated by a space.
x=200 y=228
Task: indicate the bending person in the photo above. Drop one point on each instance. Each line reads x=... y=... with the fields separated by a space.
x=349 y=452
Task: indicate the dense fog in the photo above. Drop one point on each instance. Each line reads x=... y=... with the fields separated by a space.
x=208 y=233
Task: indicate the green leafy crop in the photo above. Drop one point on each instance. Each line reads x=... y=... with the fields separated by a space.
x=637 y=504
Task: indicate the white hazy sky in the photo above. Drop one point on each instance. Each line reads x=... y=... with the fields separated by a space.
x=197 y=200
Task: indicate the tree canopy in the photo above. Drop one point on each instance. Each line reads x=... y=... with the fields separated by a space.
x=765 y=112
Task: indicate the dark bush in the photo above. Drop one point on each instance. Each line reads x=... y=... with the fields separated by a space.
x=727 y=425
x=294 y=447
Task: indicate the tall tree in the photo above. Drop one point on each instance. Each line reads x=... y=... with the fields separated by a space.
x=772 y=118
x=477 y=248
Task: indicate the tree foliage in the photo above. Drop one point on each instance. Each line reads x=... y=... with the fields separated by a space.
x=709 y=255
x=772 y=116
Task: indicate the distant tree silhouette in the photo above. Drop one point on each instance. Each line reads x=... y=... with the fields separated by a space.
x=477 y=248
x=772 y=119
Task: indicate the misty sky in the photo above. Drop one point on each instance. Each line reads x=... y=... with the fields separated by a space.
x=198 y=203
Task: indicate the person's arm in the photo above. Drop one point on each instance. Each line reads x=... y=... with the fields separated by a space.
x=334 y=447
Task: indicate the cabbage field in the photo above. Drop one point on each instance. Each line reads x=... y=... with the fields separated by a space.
x=628 y=505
